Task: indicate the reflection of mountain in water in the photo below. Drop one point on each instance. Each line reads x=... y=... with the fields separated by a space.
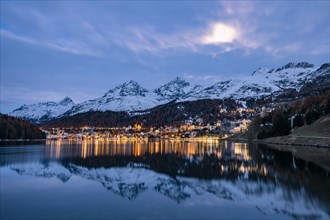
x=43 y=170
x=186 y=172
x=172 y=188
x=129 y=182
x=125 y=183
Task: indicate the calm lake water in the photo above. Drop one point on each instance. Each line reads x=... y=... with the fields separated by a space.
x=160 y=179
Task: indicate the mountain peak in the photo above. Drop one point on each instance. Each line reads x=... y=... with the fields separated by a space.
x=324 y=66
x=130 y=96
x=65 y=101
x=261 y=70
x=131 y=82
x=129 y=88
x=291 y=65
x=43 y=111
x=179 y=80
x=304 y=65
x=172 y=90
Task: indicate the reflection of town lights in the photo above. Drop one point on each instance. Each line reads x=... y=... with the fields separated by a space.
x=84 y=149
x=194 y=149
x=58 y=148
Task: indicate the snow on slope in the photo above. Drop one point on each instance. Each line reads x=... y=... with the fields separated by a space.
x=130 y=96
x=43 y=111
x=130 y=182
x=175 y=89
x=217 y=91
x=262 y=82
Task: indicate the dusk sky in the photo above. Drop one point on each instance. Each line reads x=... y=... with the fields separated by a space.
x=82 y=49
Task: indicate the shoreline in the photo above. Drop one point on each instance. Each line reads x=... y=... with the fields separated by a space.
x=213 y=138
x=312 y=149
x=294 y=140
x=21 y=140
x=316 y=155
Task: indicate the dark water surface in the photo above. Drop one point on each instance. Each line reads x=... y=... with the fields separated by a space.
x=160 y=179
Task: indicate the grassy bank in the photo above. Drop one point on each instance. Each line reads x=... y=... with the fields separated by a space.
x=316 y=134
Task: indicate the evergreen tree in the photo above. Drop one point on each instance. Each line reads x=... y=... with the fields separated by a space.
x=281 y=125
x=15 y=128
x=312 y=116
x=327 y=107
x=298 y=121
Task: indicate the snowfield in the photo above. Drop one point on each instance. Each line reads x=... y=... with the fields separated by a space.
x=130 y=96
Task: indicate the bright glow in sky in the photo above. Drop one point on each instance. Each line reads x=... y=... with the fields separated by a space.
x=221 y=33
x=81 y=49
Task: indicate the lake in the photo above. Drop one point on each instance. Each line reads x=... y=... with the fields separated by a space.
x=159 y=179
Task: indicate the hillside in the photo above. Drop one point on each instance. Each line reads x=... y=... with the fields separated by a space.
x=15 y=128
x=320 y=128
x=316 y=134
x=288 y=82
x=44 y=111
x=200 y=111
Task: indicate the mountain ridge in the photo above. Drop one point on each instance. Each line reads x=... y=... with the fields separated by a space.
x=43 y=111
x=131 y=97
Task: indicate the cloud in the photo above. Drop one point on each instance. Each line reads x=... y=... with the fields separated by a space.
x=213 y=38
x=289 y=48
x=148 y=39
x=10 y=35
x=204 y=79
x=236 y=25
x=282 y=29
x=67 y=46
x=220 y=33
x=188 y=76
x=73 y=47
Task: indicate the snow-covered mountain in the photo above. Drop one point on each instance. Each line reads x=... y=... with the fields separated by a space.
x=43 y=111
x=263 y=82
x=175 y=89
x=130 y=96
x=129 y=183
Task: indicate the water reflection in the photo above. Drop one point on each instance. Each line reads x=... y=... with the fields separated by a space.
x=93 y=148
x=183 y=170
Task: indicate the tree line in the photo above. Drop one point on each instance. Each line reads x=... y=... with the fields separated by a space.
x=290 y=116
x=170 y=114
x=15 y=128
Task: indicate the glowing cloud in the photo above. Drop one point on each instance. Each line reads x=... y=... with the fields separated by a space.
x=220 y=33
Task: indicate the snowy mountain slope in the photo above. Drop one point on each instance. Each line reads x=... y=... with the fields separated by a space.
x=130 y=96
x=263 y=82
x=217 y=91
x=289 y=76
x=193 y=93
x=175 y=89
x=43 y=111
x=129 y=183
